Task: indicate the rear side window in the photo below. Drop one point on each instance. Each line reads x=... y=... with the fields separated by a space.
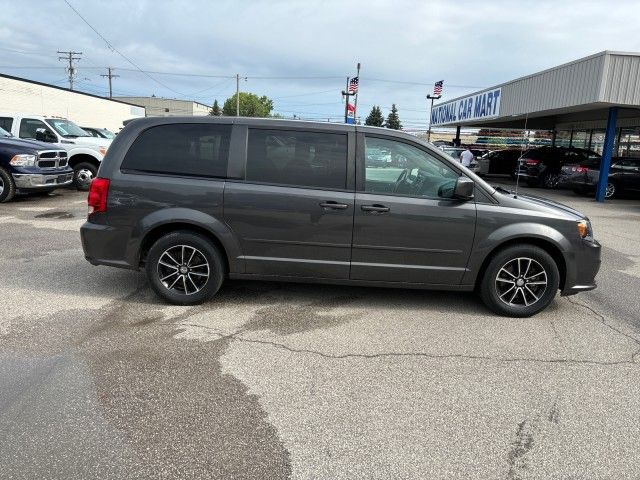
x=6 y=123
x=296 y=158
x=181 y=149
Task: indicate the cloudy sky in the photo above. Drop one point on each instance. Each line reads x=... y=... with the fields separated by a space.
x=299 y=53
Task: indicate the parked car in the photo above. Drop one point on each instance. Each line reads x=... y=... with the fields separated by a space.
x=27 y=166
x=500 y=162
x=542 y=166
x=84 y=151
x=196 y=200
x=582 y=178
x=455 y=152
x=99 y=132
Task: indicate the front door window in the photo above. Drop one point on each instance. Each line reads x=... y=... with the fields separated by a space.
x=398 y=168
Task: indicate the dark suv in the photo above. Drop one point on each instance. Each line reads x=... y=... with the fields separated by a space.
x=543 y=166
x=196 y=200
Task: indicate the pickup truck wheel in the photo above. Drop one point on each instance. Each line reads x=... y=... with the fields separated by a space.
x=83 y=174
x=185 y=268
x=7 y=186
x=520 y=281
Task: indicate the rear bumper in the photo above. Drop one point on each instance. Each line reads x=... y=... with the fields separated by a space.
x=36 y=181
x=587 y=262
x=105 y=245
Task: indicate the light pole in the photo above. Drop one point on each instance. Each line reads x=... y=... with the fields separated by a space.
x=432 y=98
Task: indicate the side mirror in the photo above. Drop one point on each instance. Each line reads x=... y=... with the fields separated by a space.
x=464 y=188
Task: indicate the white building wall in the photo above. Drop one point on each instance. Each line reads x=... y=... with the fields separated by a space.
x=19 y=96
x=168 y=107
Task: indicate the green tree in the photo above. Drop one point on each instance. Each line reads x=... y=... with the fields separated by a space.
x=250 y=105
x=375 y=118
x=393 y=120
x=215 y=110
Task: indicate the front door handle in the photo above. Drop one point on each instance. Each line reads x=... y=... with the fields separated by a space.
x=334 y=205
x=375 y=208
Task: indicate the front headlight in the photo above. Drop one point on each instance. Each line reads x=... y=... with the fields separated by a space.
x=584 y=229
x=23 y=160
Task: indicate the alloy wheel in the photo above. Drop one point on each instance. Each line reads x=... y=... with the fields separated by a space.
x=551 y=180
x=183 y=269
x=608 y=193
x=1 y=185
x=521 y=282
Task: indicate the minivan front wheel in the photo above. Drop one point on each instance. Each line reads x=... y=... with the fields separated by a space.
x=184 y=268
x=520 y=281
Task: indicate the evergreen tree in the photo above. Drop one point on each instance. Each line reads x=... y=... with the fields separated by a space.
x=375 y=117
x=393 y=120
x=215 y=110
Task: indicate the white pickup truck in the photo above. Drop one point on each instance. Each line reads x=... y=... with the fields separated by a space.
x=84 y=151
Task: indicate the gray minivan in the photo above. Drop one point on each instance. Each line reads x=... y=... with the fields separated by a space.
x=196 y=200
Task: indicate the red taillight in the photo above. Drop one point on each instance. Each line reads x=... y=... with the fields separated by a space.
x=580 y=169
x=531 y=161
x=98 y=192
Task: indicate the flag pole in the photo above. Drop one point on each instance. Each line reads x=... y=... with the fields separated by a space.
x=432 y=98
x=346 y=103
x=355 y=100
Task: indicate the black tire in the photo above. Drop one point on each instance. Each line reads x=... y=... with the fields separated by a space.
x=7 y=186
x=83 y=174
x=192 y=276
x=517 y=307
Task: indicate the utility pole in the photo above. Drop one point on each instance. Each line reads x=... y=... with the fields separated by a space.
x=432 y=98
x=71 y=71
x=110 y=76
x=237 y=94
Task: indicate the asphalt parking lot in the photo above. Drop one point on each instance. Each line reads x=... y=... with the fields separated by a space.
x=102 y=380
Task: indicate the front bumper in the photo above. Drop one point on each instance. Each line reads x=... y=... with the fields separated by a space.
x=587 y=262
x=36 y=181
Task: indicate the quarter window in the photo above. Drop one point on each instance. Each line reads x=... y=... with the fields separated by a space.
x=181 y=149
x=6 y=123
x=399 y=168
x=301 y=159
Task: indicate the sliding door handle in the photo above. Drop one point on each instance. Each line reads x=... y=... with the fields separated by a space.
x=375 y=208
x=334 y=205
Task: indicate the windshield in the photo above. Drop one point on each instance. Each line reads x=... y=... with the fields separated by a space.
x=107 y=133
x=4 y=133
x=67 y=128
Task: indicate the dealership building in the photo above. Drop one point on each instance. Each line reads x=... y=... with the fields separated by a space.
x=593 y=102
x=20 y=95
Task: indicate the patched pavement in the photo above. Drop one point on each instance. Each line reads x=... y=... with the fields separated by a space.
x=100 y=379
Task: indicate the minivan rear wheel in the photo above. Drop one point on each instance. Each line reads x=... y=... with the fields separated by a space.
x=184 y=268
x=520 y=281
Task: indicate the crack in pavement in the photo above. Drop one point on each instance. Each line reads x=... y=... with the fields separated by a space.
x=237 y=335
x=602 y=319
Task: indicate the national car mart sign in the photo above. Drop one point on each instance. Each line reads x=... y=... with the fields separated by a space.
x=474 y=107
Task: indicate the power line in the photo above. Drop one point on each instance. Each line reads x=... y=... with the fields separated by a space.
x=114 y=49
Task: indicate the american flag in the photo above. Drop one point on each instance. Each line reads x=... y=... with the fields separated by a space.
x=353 y=85
x=437 y=88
